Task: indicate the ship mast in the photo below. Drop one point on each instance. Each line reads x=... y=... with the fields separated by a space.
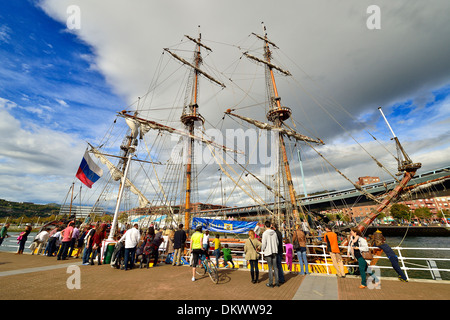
x=277 y=114
x=128 y=148
x=190 y=117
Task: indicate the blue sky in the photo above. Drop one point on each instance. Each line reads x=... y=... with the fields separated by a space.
x=60 y=88
x=46 y=71
x=52 y=98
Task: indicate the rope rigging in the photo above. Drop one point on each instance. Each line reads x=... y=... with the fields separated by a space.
x=168 y=190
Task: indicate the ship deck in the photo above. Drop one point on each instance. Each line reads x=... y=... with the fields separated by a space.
x=25 y=277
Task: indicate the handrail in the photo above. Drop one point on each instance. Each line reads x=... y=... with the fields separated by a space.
x=401 y=259
x=238 y=256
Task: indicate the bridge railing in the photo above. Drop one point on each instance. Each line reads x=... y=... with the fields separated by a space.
x=371 y=188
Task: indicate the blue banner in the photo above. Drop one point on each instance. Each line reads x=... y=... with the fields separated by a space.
x=226 y=226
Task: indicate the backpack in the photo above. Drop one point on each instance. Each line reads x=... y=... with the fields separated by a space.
x=157 y=242
x=89 y=234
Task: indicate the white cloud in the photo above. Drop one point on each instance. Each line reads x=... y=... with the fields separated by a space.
x=62 y=102
x=327 y=47
x=360 y=68
x=35 y=163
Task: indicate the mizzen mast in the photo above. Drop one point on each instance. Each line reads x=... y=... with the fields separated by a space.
x=277 y=114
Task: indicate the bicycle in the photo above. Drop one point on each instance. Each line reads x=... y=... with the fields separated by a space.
x=208 y=266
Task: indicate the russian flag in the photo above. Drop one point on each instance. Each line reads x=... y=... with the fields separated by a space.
x=88 y=172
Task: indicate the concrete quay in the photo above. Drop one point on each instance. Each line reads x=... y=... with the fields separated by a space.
x=31 y=277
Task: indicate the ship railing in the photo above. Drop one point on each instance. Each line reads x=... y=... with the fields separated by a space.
x=325 y=265
x=406 y=263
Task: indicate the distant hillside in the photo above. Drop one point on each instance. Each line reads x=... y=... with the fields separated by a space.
x=19 y=209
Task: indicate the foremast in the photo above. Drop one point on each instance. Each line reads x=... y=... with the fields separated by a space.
x=128 y=148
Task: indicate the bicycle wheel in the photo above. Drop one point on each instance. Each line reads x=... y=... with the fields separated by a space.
x=200 y=269
x=212 y=271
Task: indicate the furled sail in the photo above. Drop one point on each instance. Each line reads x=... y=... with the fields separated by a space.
x=266 y=126
x=196 y=68
x=147 y=125
x=117 y=175
x=269 y=64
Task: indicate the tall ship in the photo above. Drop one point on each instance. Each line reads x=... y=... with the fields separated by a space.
x=176 y=164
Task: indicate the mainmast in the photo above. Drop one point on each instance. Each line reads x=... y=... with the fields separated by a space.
x=191 y=117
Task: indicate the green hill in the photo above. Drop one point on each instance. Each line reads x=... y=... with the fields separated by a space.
x=27 y=209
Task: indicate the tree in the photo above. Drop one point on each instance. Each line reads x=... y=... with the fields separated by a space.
x=444 y=213
x=423 y=213
x=123 y=217
x=106 y=218
x=345 y=217
x=400 y=211
x=381 y=215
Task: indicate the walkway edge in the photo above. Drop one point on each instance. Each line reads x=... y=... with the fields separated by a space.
x=317 y=287
x=30 y=270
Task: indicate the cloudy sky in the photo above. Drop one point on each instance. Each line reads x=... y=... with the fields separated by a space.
x=61 y=87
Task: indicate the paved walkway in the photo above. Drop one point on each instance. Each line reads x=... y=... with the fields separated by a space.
x=39 y=277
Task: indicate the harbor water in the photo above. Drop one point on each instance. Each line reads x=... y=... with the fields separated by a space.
x=423 y=248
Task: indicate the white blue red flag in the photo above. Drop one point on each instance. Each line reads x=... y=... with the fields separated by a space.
x=89 y=172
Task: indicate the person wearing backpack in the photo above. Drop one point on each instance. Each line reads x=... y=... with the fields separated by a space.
x=178 y=245
x=155 y=245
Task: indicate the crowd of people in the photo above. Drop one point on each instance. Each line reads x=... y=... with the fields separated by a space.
x=270 y=245
x=275 y=244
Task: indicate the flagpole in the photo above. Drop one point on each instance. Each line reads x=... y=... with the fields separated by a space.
x=119 y=199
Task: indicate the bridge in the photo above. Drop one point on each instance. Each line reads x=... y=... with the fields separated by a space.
x=429 y=184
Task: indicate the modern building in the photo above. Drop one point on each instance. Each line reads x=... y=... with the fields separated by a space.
x=80 y=212
x=434 y=204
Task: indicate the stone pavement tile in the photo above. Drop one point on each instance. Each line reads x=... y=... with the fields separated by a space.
x=33 y=279
x=393 y=289
x=318 y=287
x=12 y=261
x=163 y=282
